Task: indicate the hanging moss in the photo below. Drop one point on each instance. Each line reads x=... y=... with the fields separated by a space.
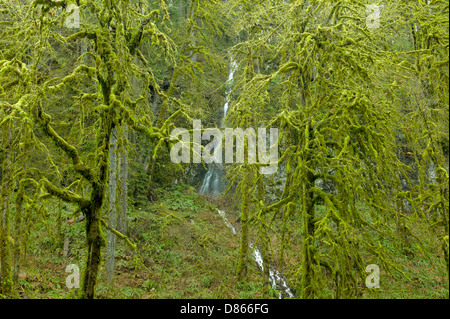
x=116 y=34
x=342 y=110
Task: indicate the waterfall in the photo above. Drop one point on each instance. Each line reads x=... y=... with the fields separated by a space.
x=213 y=182
x=233 y=67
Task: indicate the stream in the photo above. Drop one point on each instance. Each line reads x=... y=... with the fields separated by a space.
x=276 y=279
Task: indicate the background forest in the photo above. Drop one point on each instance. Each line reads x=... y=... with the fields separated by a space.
x=90 y=91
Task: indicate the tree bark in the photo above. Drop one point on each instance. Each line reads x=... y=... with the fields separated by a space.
x=6 y=282
x=243 y=250
x=122 y=225
x=308 y=231
x=111 y=238
x=95 y=242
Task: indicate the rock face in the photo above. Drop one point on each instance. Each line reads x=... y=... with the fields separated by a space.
x=275 y=186
x=194 y=175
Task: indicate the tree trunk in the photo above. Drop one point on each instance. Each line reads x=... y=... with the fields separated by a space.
x=95 y=240
x=308 y=245
x=111 y=238
x=288 y=208
x=17 y=233
x=243 y=250
x=6 y=282
x=264 y=238
x=122 y=225
x=93 y=211
x=307 y=290
x=265 y=256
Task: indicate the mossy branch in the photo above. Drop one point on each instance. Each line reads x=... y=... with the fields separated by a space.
x=120 y=235
x=65 y=195
x=71 y=151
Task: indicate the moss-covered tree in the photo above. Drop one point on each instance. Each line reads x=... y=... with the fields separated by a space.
x=99 y=89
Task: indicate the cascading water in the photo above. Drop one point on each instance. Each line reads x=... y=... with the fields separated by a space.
x=276 y=279
x=233 y=67
x=225 y=219
x=213 y=182
x=214 y=185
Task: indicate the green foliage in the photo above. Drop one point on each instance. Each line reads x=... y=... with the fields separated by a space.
x=364 y=111
x=338 y=116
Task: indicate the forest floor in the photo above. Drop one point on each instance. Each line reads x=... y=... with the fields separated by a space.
x=185 y=250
